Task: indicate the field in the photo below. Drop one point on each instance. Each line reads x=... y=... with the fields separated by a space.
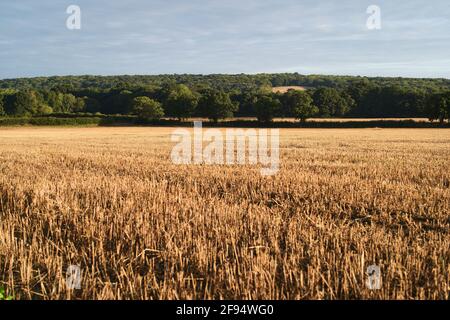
x=111 y=201
x=287 y=88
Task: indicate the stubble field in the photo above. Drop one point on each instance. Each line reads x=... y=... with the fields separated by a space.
x=111 y=201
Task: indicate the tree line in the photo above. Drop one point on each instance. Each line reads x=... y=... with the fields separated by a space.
x=223 y=82
x=348 y=97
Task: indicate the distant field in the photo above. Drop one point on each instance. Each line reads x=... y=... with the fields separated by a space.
x=287 y=88
x=111 y=201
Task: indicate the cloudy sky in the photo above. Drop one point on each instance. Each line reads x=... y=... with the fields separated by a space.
x=225 y=36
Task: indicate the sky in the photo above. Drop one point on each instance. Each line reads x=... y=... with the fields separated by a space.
x=225 y=36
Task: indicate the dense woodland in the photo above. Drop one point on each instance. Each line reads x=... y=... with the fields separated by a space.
x=224 y=96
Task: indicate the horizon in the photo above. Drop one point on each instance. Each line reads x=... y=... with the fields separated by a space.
x=213 y=37
x=227 y=74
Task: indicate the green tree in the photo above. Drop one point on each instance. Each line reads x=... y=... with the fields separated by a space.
x=300 y=105
x=44 y=109
x=69 y=103
x=80 y=105
x=92 y=105
x=357 y=90
x=348 y=103
x=266 y=108
x=2 y=110
x=447 y=102
x=54 y=100
x=216 y=104
x=439 y=107
x=147 y=109
x=23 y=103
x=331 y=103
x=118 y=102
x=181 y=102
x=246 y=102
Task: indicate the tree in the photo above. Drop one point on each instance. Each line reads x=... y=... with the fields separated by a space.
x=447 y=102
x=92 y=105
x=54 y=100
x=300 y=105
x=348 y=103
x=357 y=90
x=22 y=103
x=2 y=110
x=267 y=108
x=335 y=96
x=147 y=109
x=181 y=102
x=246 y=102
x=79 y=106
x=44 y=109
x=69 y=103
x=331 y=103
x=413 y=103
x=439 y=107
x=118 y=102
x=216 y=104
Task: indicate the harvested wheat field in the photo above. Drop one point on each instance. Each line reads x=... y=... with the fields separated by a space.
x=285 y=89
x=111 y=201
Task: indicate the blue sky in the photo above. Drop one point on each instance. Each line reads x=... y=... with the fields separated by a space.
x=225 y=36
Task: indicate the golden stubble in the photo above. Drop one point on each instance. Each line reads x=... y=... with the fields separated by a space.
x=140 y=227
